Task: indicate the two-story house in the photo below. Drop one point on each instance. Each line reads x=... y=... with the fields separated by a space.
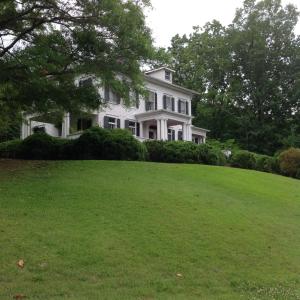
x=165 y=114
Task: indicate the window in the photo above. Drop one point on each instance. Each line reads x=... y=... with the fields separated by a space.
x=83 y=124
x=111 y=122
x=169 y=103
x=86 y=82
x=171 y=135
x=168 y=75
x=183 y=107
x=132 y=127
x=151 y=101
x=180 y=135
x=111 y=96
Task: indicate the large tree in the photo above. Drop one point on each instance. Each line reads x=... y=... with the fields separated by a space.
x=248 y=74
x=45 y=45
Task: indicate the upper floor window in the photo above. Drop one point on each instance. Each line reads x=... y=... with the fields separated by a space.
x=168 y=103
x=168 y=75
x=183 y=106
x=111 y=96
x=151 y=101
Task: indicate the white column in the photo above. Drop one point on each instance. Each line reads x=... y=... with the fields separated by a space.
x=164 y=130
x=189 y=132
x=158 y=131
x=142 y=130
x=65 y=126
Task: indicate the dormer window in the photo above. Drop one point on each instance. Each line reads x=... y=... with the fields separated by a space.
x=168 y=75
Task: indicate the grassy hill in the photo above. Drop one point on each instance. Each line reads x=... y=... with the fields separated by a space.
x=130 y=230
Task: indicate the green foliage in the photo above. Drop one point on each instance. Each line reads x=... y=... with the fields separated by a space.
x=94 y=38
x=289 y=162
x=247 y=74
x=40 y=146
x=183 y=152
x=266 y=163
x=10 y=149
x=243 y=159
x=98 y=143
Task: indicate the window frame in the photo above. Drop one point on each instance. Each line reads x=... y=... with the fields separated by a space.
x=115 y=125
x=184 y=103
x=151 y=101
x=167 y=75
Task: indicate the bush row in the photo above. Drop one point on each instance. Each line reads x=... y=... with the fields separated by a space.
x=95 y=143
x=286 y=163
x=119 y=144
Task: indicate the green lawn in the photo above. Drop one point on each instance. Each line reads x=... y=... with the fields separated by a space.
x=131 y=230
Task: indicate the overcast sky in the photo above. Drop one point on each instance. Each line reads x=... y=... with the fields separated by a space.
x=170 y=17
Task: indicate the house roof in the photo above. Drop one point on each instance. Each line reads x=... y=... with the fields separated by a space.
x=170 y=85
x=158 y=69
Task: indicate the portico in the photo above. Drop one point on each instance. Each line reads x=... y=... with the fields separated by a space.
x=158 y=124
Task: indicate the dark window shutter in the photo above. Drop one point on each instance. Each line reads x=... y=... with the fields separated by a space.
x=137 y=100
x=187 y=107
x=173 y=104
x=106 y=122
x=106 y=93
x=118 y=123
x=165 y=101
x=137 y=129
x=126 y=124
x=179 y=108
x=155 y=101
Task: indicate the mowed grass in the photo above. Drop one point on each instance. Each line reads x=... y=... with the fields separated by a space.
x=133 y=230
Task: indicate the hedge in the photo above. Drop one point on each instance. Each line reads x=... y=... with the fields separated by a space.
x=243 y=159
x=184 y=152
x=10 y=149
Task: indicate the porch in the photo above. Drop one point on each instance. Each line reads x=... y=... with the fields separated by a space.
x=164 y=125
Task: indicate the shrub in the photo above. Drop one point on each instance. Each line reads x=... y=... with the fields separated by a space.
x=243 y=159
x=183 y=152
x=10 y=149
x=119 y=144
x=266 y=163
x=90 y=145
x=289 y=162
x=99 y=143
x=40 y=146
x=210 y=155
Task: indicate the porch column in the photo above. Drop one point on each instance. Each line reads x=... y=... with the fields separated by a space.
x=189 y=132
x=142 y=130
x=158 y=132
x=184 y=131
x=165 y=129
x=25 y=130
x=65 y=126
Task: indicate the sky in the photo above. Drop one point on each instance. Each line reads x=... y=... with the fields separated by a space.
x=169 y=17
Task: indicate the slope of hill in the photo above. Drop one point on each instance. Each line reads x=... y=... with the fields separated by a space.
x=130 y=230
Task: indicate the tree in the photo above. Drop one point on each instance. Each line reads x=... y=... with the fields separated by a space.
x=45 y=45
x=247 y=73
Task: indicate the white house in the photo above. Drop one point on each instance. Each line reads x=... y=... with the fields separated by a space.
x=165 y=114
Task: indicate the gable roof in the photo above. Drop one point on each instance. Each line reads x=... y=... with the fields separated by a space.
x=159 y=69
x=170 y=85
